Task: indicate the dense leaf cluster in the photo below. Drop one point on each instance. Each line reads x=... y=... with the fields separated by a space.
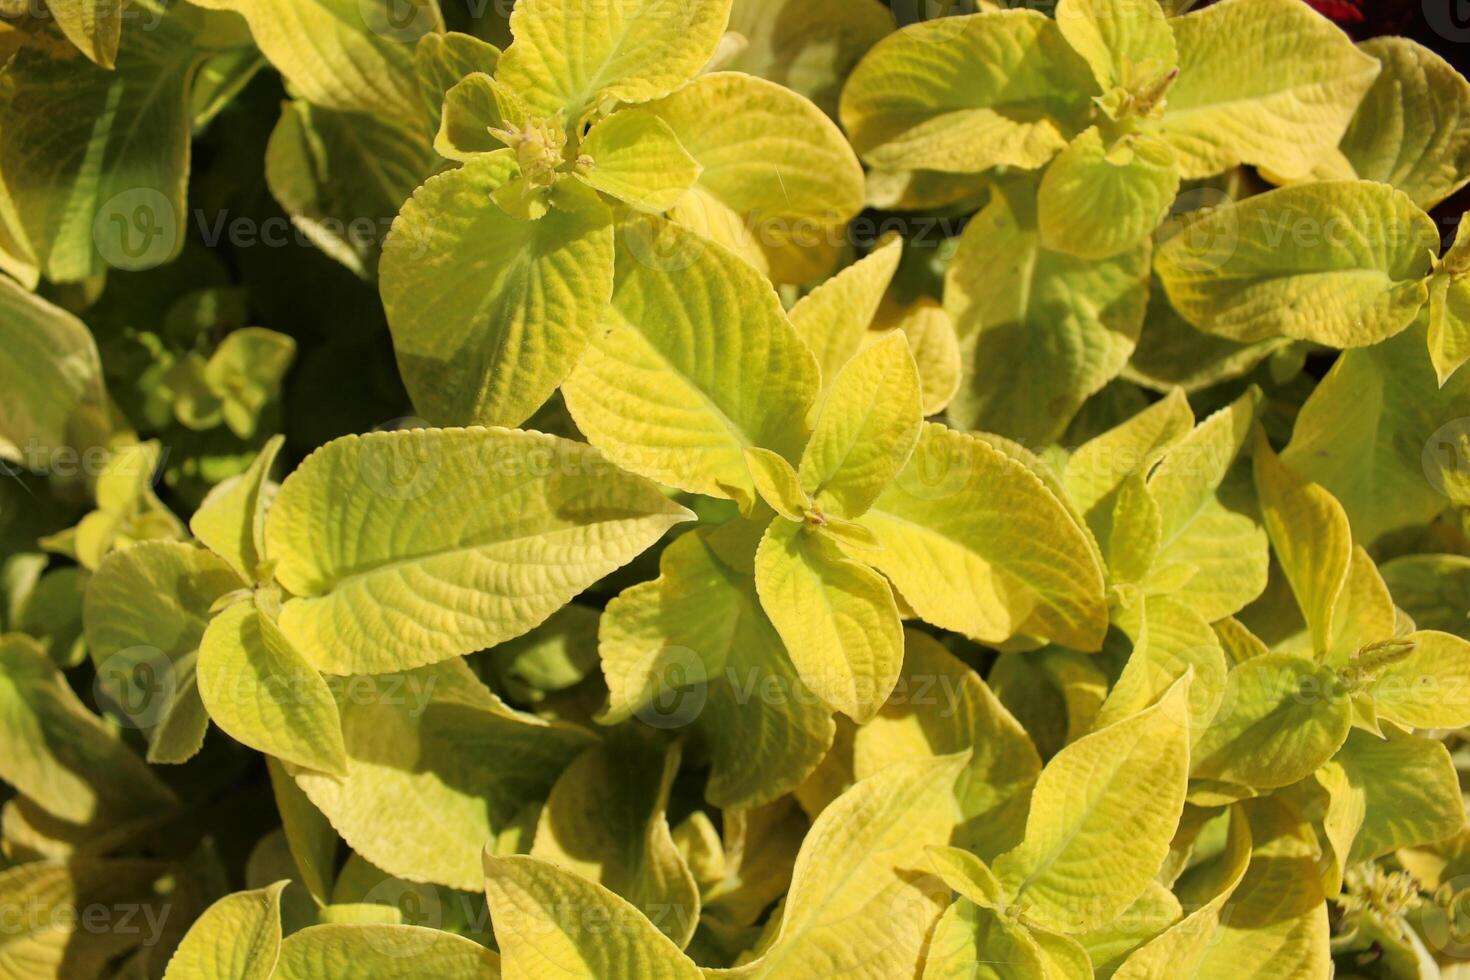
x=730 y=489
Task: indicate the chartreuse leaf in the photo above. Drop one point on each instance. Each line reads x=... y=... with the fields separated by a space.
x=1408 y=788
x=489 y=312
x=342 y=175
x=866 y=430
x=700 y=363
x=1098 y=469
x=308 y=835
x=1179 y=949
x=833 y=318
x=145 y=613
x=836 y=616
x=966 y=94
x=1170 y=639
x=1265 y=82
x=694 y=647
x=1211 y=554
x=1433 y=589
x=474 y=106
x=52 y=378
x=1376 y=433
x=809 y=46
x=779 y=182
x=1364 y=614
x=1127 y=43
x=1097 y=200
x=974 y=542
x=1171 y=352
x=1340 y=263
x=605 y=936
x=441 y=61
x=1102 y=815
x=237 y=938
x=778 y=484
x=967 y=875
x=940 y=707
x=973 y=941
x=79 y=214
x=606 y=820
x=383 y=952
x=59 y=754
x=94 y=26
x=936 y=349
x=635 y=157
x=1108 y=946
x=434 y=748
x=340 y=54
x=1311 y=536
x=1136 y=531
x=1275 y=922
x=410 y=547
x=1281 y=718
x=1449 y=307
x=569 y=58
x=863 y=860
x=262 y=692
x=231 y=520
x=1412 y=129
x=1039 y=330
x=1425 y=686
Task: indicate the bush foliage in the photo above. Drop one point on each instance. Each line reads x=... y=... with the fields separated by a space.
x=731 y=489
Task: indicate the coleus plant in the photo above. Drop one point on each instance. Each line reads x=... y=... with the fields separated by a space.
x=880 y=612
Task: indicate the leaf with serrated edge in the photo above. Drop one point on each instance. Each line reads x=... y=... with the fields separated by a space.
x=967 y=94
x=1012 y=559
x=570 y=56
x=699 y=363
x=1096 y=200
x=371 y=951
x=836 y=617
x=489 y=313
x=1339 y=263
x=636 y=158
x=237 y=938
x=231 y=520
x=1266 y=82
x=693 y=647
x=262 y=692
x=1102 y=815
x=832 y=319
x=409 y=547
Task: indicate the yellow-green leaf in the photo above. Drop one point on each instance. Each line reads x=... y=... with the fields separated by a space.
x=409 y=547
x=636 y=158
x=1097 y=200
x=866 y=430
x=779 y=182
x=966 y=94
x=1271 y=83
x=231 y=520
x=700 y=362
x=1413 y=127
x=1102 y=815
x=341 y=54
x=778 y=484
x=145 y=613
x=1339 y=263
x=434 y=748
x=604 y=936
x=606 y=819
x=383 y=952
x=833 y=318
x=1127 y=43
x=1428 y=688
x=975 y=542
x=570 y=57
x=1281 y=718
x=836 y=617
x=262 y=692
x=1311 y=536
x=237 y=938
x=1040 y=331
x=694 y=648
x=489 y=312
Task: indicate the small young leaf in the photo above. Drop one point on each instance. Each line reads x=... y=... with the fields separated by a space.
x=237 y=938
x=636 y=158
